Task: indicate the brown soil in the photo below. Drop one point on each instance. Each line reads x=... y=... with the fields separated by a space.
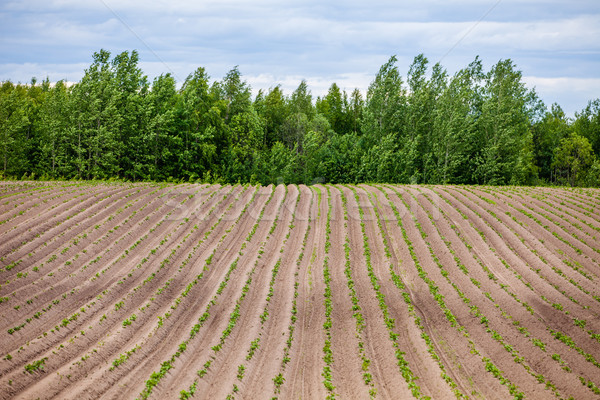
x=78 y=261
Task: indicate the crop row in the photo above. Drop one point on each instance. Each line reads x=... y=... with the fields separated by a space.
x=166 y=365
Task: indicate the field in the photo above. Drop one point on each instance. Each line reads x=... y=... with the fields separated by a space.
x=121 y=290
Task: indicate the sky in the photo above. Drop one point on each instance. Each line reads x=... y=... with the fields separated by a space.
x=556 y=44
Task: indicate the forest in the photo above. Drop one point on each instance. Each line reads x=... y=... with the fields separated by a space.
x=430 y=127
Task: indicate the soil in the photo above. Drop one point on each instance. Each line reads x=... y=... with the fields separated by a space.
x=102 y=285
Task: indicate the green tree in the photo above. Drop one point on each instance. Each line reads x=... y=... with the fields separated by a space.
x=236 y=93
x=14 y=122
x=587 y=124
x=505 y=139
x=31 y=141
x=454 y=138
x=385 y=108
x=341 y=158
x=245 y=130
x=354 y=112
x=273 y=111
x=311 y=160
x=547 y=134
x=297 y=123
x=54 y=131
x=293 y=130
x=161 y=143
x=382 y=161
x=474 y=127
x=422 y=104
x=573 y=159
x=203 y=130
x=97 y=143
x=130 y=88
x=247 y=138
x=281 y=165
x=384 y=115
x=334 y=107
x=301 y=101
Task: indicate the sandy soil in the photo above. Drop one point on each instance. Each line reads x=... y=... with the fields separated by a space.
x=91 y=274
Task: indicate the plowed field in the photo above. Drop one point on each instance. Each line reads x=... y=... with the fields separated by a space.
x=122 y=291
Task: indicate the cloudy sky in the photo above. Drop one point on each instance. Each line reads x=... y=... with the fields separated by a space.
x=556 y=44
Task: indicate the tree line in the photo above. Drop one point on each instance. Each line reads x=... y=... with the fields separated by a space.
x=474 y=127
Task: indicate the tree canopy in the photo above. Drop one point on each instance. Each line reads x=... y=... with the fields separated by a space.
x=475 y=126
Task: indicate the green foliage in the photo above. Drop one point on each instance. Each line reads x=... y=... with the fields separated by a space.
x=37 y=365
x=587 y=124
x=547 y=134
x=14 y=120
x=573 y=159
x=473 y=127
x=505 y=141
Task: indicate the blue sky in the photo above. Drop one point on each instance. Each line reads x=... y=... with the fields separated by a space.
x=556 y=44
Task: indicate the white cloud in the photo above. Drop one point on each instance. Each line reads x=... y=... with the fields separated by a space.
x=275 y=42
x=564 y=84
x=572 y=94
x=571 y=34
x=55 y=72
x=318 y=85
